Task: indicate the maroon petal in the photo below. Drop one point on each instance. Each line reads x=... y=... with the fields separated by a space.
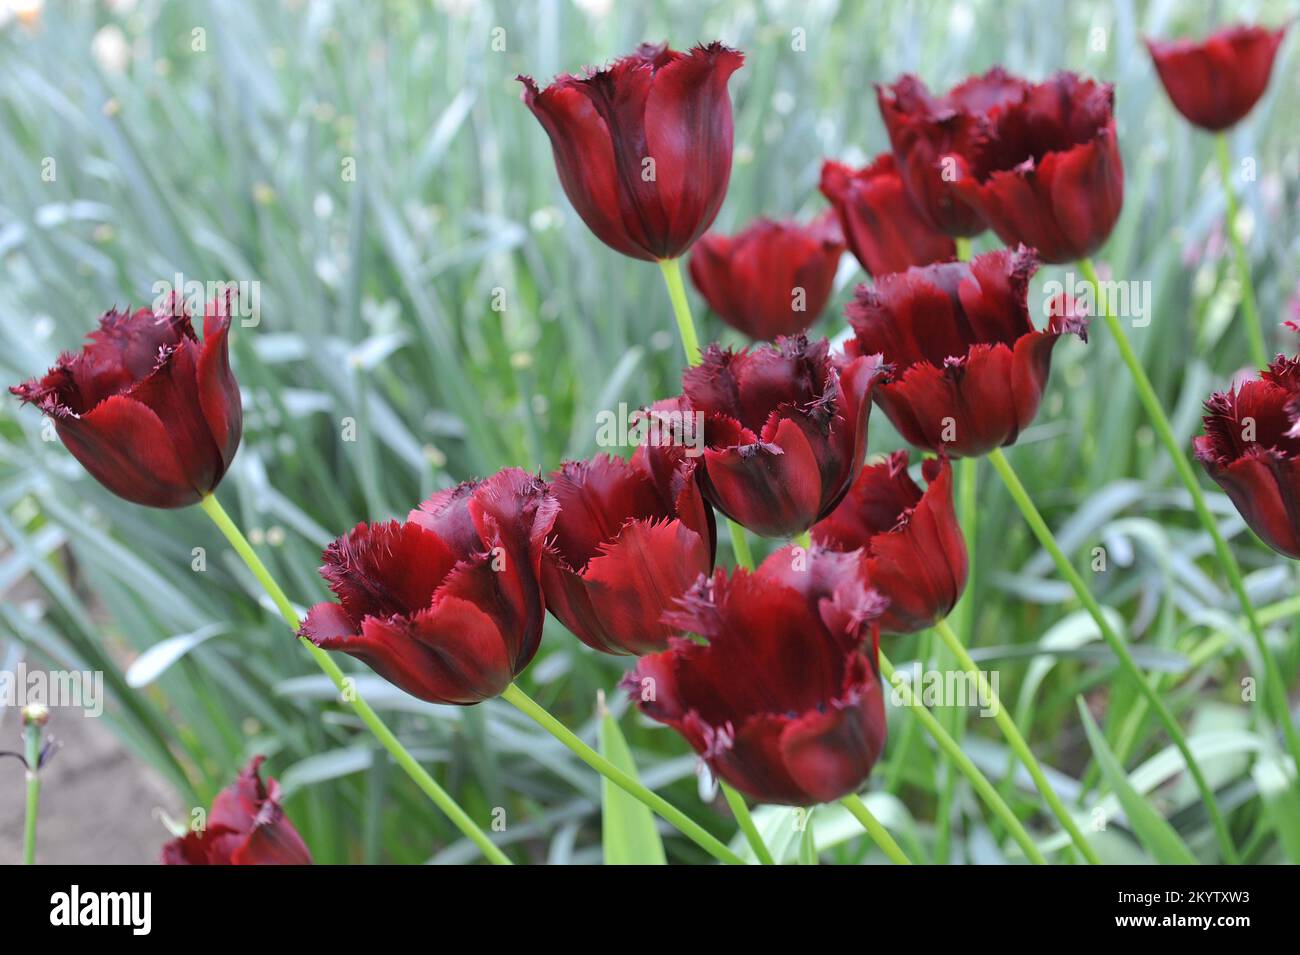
x=217 y=387
x=774 y=489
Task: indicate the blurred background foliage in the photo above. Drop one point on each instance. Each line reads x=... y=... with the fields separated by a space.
x=213 y=139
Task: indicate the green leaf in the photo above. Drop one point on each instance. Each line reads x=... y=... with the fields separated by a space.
x=1282 y=802
x=1152 y=830
x=627 y=826
x=808 y=842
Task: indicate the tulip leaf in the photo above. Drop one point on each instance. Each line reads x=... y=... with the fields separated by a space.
x=808 y=842
x=628 y=832
x=1151 y=829
x=155 y=661
x=1281 y=802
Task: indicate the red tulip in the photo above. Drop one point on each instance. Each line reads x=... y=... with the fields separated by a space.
x=448 y=605
x=913 y=550
x=624 y=546
x=1216 y=82
x=969 y=367
x=784 y=700
x=785 y=430
x=934 y=136
x=153 y=414
x=1049 y=173
x=774 y=278
x=882 y=226
x=1251 y=447
x=643 y=147
x=246 y=827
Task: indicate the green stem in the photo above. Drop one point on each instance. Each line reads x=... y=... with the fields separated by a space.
x=672 y=271
x=746 y=822
x=878 y=833
x=674 y=816
x=1016 y=741
x=804 y=539
x=740 y=545
x=428 y=785
x=1275 y=688
x=1254 y=328
x=954 y=752
x=1117 y=646
x=32 y=747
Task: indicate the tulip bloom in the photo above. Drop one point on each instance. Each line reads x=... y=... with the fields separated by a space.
x=1216 y=82
x=933 y=137
x=152 y=413
x=784 y=701
x=448 y=605
x=643 y=147
x=1251 y=447
x=246 y=827
x=969 y=367
x=785 y=430
x=1049 y=173
x=882 y=226
x=913 y=550
x=624 y=545
x=774 y=278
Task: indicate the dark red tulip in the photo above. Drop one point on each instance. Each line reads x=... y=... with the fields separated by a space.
x=1217 y=81
x=1251 y=447
x=784 y=700
x=624 y=546
x=150 y=411
x=785 y=430
x=246 y=827
x=643 y=147
x=774 y=278
x=1049 y=173
x=934 y=136
x=969 y=368
x=448 y=605
x=912 y=548
x=882 y=226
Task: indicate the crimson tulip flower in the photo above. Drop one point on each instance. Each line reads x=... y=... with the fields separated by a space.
x=785 y=430
x=913 y=550
x=1049 y=174
x=624 y=545
x=448 y=604
x=246 y=827
x=1251 y=447
x=970 y=368
x=783 y=699
x=774 y=278
x=150 y=411
x=1214 y=83
x=933 y=137
x=882 y=226
x=643 y=147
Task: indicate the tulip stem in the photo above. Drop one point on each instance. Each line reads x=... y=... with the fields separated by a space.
x=1117 y=646
x=428 y=785
x=740 y=545
x=1254 y=328
x=963 y=248
x=1016 y=741
x=746 y=822
x=953 y=750
x=672 y=270
x=674 y=816
x=1275 y=687
x=878 y=833
x=32 y=755
x=804 y=539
